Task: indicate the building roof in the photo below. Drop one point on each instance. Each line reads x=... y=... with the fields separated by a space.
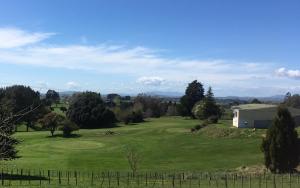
x=293 y=111
x=253 y=106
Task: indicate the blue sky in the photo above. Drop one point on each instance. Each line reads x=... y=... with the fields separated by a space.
x=239 y=47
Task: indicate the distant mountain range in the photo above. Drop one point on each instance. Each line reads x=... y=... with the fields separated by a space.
x=275 y=98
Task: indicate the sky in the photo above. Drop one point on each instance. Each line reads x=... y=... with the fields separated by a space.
x=239 y=47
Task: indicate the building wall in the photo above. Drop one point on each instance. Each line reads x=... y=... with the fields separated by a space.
x=247 y=118
x=259 y=118
x=235 y=118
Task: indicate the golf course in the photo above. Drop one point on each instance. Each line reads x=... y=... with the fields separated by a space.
x=162 y=144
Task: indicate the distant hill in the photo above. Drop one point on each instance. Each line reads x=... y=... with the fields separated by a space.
x=177 y=95
x=273 y=99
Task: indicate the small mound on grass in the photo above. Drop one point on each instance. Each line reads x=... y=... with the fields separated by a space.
x=215 y=131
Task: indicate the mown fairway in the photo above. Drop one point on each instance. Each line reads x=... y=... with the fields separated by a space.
x=165 y=144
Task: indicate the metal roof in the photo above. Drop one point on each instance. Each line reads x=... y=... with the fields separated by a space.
x=253 y=106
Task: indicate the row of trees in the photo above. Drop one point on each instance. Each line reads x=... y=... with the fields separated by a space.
x=292 y=100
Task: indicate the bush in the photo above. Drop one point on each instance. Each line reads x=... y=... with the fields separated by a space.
x=137 y=117
x=213 y=119
x=198 y=127
x=63 y=108
x=88 y=110
x=133 y=117
x=68 y=127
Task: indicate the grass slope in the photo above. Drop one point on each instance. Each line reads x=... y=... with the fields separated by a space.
x=165 y=144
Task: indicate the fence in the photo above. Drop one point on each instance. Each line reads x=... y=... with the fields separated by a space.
x=51 y=178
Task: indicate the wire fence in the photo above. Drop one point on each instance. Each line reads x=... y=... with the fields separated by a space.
x=51 y=178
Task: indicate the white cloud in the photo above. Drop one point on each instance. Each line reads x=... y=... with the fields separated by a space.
x=283 y=72
x=72 y=85
x=151 y=80
x=171 y=74
x=14 y=37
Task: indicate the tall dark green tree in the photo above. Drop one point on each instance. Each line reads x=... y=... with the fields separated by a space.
x=7 y=142
x=280 y=146
x=207 y=107
x=88 y=110
x=52 y=97
x=20 y=98
x=193 y=94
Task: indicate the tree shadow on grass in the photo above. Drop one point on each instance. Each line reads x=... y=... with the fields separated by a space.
x=6 y=176
x=62 y=136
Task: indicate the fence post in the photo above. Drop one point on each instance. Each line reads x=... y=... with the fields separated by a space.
x=49 y=181
x=173 y=181
x=92 y=182
x=250 y=181
x=118 y=177
x=29 y=177
x=75 y=173
x=242 y=181
x=59 y=178
x=40 y=174
x=2 y=177
x=21 y=172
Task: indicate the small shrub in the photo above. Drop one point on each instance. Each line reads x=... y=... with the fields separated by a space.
x=68 y=127
x=137 y=117
x=198 y=127
x=127 y=119
x=63 y=108
x=134 y=117
x=213 y=119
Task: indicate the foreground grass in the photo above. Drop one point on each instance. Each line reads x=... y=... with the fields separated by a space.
x=164 y=144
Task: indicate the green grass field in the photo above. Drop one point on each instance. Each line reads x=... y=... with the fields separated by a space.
x=164 y=144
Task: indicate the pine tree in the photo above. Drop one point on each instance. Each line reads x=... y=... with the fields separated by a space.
x=193 y=94
x=7 y=142
x=207 y=107
x=280 y=146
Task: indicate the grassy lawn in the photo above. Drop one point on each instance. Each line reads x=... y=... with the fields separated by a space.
x=165 y=144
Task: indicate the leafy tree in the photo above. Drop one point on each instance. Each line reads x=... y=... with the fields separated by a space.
x=63 y=109
x=88 y=110
x=193 y=94
x=280 y=146
x=172 y=110
x=20 y=98
x=152 y=106
x=112 y=96
x=52 y=97
x=51 y=121
x=255 y=101
x=68 y=127
x=207 y=108
x=292 y=100
x=7 y=121
x=133 y=117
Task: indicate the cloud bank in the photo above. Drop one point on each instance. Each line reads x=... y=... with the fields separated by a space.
x=145 y=67
x=283 y=72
